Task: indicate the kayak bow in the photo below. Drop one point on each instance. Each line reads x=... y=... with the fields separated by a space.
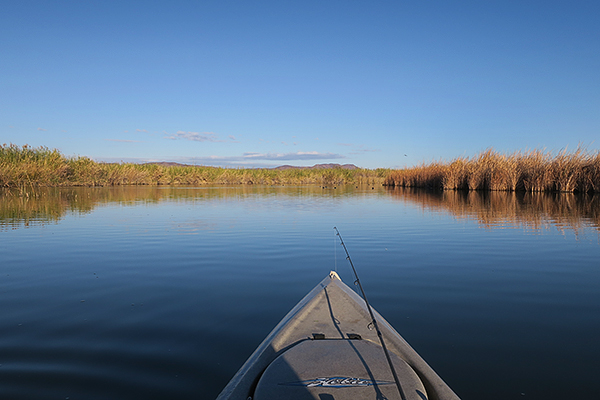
x=326 y=348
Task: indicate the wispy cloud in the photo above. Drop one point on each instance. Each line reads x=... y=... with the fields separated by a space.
x=194 y=136
x=358 y=149
x=362 y=149
x=141 y=130
x=42 y=129
x=199 y=137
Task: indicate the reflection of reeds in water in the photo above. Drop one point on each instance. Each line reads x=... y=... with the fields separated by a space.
x=27 y=166
x=22 y=207
x=533 y=171
x=517 y=209
x=26 y=206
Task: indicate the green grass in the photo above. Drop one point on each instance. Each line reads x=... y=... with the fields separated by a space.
x=22 y=166
x=532 y=171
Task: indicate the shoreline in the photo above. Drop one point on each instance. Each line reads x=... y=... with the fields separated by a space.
x=532 y=171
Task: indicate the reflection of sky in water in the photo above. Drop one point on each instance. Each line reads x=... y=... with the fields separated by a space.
x=531 y=212
x=173 y=279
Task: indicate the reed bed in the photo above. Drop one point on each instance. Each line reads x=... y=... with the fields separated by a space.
x=34 y=167
x=532 y=171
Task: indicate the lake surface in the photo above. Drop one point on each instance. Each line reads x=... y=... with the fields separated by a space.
x=162 y=293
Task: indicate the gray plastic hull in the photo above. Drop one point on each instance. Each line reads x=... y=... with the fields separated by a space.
x=326 y=348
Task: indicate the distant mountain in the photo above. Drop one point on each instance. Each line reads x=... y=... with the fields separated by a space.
x=281 y=167
x=320 y=166
x=169 y=164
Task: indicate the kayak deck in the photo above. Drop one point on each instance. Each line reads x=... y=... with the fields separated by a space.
x=326 y=348
x=353 y=369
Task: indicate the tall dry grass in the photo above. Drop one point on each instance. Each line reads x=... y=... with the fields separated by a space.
x=29 y=166
x=531 y=171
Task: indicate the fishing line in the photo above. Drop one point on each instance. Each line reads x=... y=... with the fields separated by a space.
x=335 y=253
x=373 y=320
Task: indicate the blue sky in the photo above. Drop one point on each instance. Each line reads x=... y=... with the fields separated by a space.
x=266 y=83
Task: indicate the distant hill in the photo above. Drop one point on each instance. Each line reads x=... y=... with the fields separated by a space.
x=319 y=166
x=169 y=164
x=281 y=167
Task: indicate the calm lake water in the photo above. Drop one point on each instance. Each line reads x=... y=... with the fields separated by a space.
x=162 y=293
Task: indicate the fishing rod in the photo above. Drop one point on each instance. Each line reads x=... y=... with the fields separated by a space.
x=373 y=320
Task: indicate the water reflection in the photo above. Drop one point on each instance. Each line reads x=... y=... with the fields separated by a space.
x=40 y=206
x=565 y=211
